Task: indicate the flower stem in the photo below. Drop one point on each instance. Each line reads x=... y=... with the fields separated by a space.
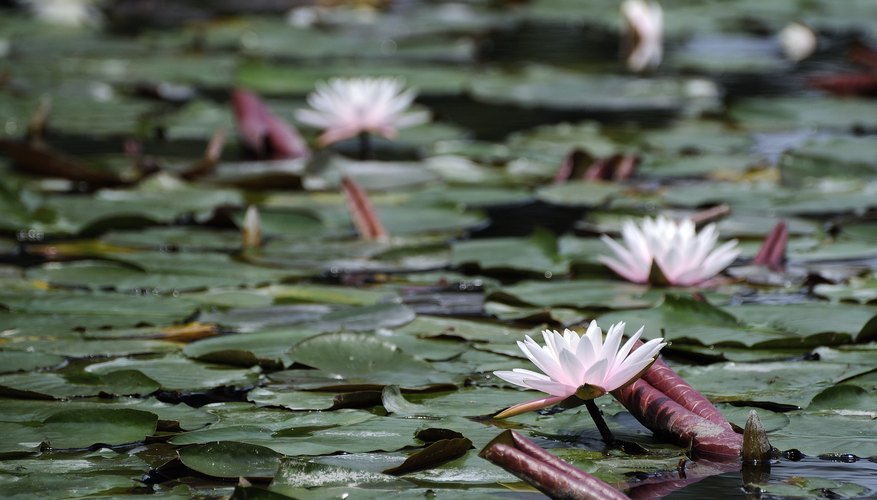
x=365 y=146
x=597 y=416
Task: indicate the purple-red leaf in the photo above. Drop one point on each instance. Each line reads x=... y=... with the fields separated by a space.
x=544 y=471
x=663 y=378
x=847 y=84
x=773 y=251
x=365 y=219
x=263 y=133
x=662 y=415
x=574 y=166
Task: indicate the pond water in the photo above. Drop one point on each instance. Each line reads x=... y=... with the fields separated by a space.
x=149 y=349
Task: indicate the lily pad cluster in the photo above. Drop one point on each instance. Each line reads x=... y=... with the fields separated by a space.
x=145 y=352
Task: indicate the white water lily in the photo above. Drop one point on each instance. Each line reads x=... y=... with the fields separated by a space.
x=64 y=12
x=345 y=108
x=251 y=229
x=683 y=256
x=798 y=41
x=644 y=29
x=584 y=365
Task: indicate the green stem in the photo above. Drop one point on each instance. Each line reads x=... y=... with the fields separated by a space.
x=365 y=146
x=597 y=416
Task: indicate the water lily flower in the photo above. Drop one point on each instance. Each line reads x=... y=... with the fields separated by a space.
x=583 y=366
x=668 y=252
x=797 y=41
x=644 y=30
x=251 y=229
x=345 y=108
x=63 y=12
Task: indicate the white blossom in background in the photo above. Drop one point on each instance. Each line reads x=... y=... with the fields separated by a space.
x=798 y=41
x=345 y=108
x=644 y=29
x=569 y=361
x=684 y=256
x=251 y=229
x=64 y=12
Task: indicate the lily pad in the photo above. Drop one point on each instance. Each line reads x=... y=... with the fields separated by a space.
x=81 y=428
x=367 y=359
x=230 y=460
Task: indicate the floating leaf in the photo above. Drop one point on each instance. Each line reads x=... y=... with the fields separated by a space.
x=366 y=359
x=81 y=428
x=231 y=460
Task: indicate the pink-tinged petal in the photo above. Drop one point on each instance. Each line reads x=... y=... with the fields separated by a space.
x=549 y=365
x=335 y=134
x=594 y=340
x=646 y=351
x=625 y=349
x=571 y=338
x=721 y=257
x=622 y=253
x=623 y=376
x=633 y=275
x=536 y=404
x=552 y=387
x=572 y=367
x=519 y=375
x=613 y=340
x=596 y=373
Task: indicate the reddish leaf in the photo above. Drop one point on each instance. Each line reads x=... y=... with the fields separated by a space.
x=711 y=214
x=599 y=170
x=665 y=403
x=362 y=212
x=544 y=471
x=625 y=167
x=211 y=156
x=661 y=485
x=773 y=251
x=573 y=166
x=664 y=379
x=850 y=84
x=579 y=164
x=864 y=55
x=662 y=415
x=262 y=132
x=616 y=168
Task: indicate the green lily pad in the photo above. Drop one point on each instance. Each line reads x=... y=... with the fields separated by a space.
x=793 y=383
x=176 y=373
x=858 y=323
x=81 y=428
x=819 y=434
x=544 y=87
x=24 y=361
x=846 y=157
x=580 y=194
x=789 y=113
x=583 y=294
x=366 y=359
x=230 y=460
x=537 y=254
